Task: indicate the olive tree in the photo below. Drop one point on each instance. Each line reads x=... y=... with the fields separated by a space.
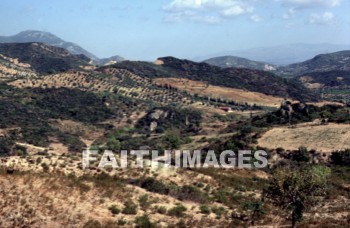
x=297 y=189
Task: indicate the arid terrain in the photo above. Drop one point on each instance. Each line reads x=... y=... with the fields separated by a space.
x=323 y=138
x=55 y=104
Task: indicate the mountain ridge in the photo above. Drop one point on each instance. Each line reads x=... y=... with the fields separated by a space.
x=336 y=61
x=281 y=54
x=238 y=62
x=30 y=36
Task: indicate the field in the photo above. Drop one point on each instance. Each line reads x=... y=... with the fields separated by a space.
x=204 y=89
x=322 y=138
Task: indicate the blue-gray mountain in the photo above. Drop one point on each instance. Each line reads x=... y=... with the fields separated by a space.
x=282 y=54
x=50 y=39
x=337 y=61
x=237 y=62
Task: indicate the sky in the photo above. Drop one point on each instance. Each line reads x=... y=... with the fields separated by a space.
x=147 y=29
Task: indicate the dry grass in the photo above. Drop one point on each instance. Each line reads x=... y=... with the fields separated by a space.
x=203 y=89
x=322 y=138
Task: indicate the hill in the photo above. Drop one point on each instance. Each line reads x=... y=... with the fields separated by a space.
x=252 y=80
x=30 y=36
x=237 y=62
x=42 y=57
x=282 y=54
x=337 y=61
x=110 y=60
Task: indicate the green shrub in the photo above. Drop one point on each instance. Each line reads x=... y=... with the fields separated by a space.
x=130 y=208
x=219 y=211
x=162 y=210
x=121 y=222
x=177 y=211
x=144 y=201
x=114 y=209
x=153 y=185
x=144 y=222
x=204 y=209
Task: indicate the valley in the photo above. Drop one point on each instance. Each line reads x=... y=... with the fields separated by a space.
x=54 y=104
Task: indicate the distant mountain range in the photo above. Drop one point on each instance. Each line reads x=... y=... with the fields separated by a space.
x=337 y=61
x=332 y=62
x=326 y=70
x=50 y=39
x=237 y=62
x=283 y=54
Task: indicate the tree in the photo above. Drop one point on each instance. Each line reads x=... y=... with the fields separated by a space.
x=172 y=139
x=302 y=155
x=113 y=144
x=296 y=189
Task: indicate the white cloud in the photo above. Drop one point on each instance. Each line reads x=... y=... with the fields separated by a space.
x=255 y=18
x=327 y=18
x=208 y=11
x=299 y=4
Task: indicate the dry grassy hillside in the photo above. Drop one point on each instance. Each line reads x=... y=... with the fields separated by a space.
x=205 y=89
x=322 y=138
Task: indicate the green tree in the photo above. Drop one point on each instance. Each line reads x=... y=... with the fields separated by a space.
x=113 y=144
x=296 y=189
x=172 y=140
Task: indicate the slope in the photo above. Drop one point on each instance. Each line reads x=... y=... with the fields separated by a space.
x=237 y=62
x=252 y=80
x=42 y=57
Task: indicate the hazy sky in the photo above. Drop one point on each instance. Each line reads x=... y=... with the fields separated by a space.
x=146 y=29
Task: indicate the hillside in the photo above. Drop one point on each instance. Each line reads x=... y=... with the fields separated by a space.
x=110 y=60
x=43 y=58
x=252 y=80
x=11 y=68
x=337 y=61
x=237 y=62
x=31 y=36
x=282 y=54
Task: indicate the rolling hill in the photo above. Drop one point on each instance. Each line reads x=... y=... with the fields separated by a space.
x=282 y=54
x=252 y=80
x=337 y=61
x=30 y=36
x=237 y=62
x=43 y=58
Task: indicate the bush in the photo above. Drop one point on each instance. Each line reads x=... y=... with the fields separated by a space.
x=162 y=210
x=153 y=185
x=144 y=202
x=192 y=193
x=144 y=222
x=121 y=222
x=204 y=209
x=302 y=155
x=177 y=211
x=114 y=209
x=219 y=211
x=341 y=157
x=130 y=208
